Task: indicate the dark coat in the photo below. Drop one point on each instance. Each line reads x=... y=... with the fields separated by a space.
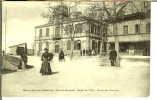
x=45 y=66
x=113 y=55
x=51 y=56
x=61 y=56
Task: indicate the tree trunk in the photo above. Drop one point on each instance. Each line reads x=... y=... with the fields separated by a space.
x=72 y=48
x=115 y=31
x=101 y=45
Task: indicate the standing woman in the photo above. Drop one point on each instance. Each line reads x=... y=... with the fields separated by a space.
x=45 y=66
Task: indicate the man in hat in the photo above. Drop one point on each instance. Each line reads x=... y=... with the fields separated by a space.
x=25 y=59
x=113 y=55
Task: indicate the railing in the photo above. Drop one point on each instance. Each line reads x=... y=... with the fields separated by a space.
x=18 y=62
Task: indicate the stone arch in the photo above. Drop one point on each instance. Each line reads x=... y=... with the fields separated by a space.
x=57 y=47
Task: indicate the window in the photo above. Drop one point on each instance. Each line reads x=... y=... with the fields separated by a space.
x=78 y=28
x=47 y=32
x=40 y=33
x=92 y=28
x=70 y=28
x=77 y=45
x=137 y=28
x=57 y=32
x=66 y=29
x=148 y=27
x=96 y=30
x=99 y=31
x=125 y=30
x=68 y=45
x=105 y=31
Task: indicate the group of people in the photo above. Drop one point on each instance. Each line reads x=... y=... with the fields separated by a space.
x=47 y=57
x=88 y=52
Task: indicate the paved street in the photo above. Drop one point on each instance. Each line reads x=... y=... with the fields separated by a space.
x=83 y=76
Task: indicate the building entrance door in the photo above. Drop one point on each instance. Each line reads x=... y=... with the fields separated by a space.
x=56 y=48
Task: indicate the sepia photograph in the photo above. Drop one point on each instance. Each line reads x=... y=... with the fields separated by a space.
x=76 y=49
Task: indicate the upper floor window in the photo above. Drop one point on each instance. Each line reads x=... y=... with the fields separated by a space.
x=148 y=27
x=92 y=28
x=137 y=28
x=105 y=31
x=68 y=29
x=99 y=30
x=47 y=32
x=40 y=33
x=78 y=28
x=96 y=29
x=57 y=31
x=125 y=30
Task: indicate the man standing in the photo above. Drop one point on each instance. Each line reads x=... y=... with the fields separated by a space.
x=84 y=52
x=25 y=59
x=3 y=52
x=113 y=55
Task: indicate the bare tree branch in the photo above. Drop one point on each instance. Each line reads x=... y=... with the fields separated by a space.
x=135 y=6
x=105 y=9
x=123 y=5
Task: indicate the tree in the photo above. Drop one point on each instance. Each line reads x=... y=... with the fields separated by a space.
x=63 y=9
x=94 y=13
x=114 y=10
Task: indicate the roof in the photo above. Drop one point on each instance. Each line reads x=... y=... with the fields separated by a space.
x=18 y=45
x=134 y=16
x=83 y=18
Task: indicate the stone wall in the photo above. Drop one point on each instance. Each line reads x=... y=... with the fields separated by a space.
x=13 y=63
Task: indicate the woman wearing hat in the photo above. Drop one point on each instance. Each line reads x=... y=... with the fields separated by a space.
x=45 y=66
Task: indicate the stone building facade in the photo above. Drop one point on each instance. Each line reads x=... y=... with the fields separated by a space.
x=56 y=37
x=133 y=33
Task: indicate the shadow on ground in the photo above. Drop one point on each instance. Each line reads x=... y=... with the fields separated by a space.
x=54 y=73
x=7 y=71
x=29 y=66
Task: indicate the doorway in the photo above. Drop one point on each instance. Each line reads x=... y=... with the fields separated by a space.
x=56 y=48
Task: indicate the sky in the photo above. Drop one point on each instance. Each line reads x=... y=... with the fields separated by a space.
x=21 y=19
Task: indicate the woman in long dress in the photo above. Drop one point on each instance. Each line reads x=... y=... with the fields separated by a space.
x=45 y=66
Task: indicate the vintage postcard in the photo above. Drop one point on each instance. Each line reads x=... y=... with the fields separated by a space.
x=76 y=49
